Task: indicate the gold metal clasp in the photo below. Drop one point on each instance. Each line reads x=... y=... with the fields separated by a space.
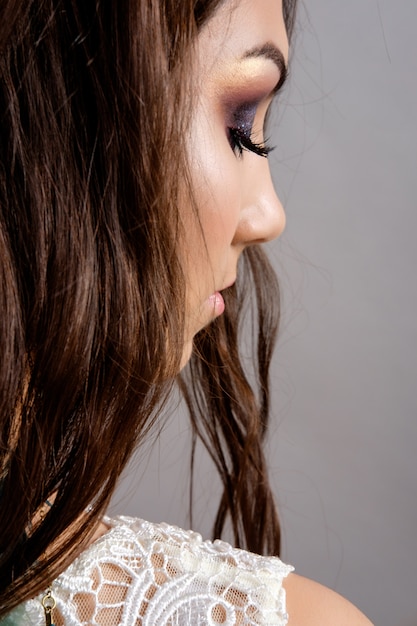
x=48 y=603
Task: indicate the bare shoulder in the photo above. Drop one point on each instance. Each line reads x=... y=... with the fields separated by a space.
x=311 y=604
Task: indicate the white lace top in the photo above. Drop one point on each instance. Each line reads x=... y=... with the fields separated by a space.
x=143 y=574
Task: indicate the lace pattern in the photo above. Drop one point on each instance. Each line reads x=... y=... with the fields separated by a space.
x=144 y=574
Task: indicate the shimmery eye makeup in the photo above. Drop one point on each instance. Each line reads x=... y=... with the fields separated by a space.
x=240 y=131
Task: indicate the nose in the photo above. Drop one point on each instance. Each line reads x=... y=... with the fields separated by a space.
x=262 y=215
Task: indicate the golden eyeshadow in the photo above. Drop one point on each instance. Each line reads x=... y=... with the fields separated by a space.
x=255 y=76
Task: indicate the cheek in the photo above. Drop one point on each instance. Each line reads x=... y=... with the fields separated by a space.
x=218 y=193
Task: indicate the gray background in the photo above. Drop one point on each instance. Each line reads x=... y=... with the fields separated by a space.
x=344 y=437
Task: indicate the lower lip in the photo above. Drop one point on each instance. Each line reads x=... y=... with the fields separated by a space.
x=216 y=303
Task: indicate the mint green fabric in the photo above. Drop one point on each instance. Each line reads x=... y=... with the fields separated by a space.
x=15 y=618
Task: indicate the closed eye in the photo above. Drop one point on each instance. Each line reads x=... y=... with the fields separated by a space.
x=240 y=141
x=241 y=131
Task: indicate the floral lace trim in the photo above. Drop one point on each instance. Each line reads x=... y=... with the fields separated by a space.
x=143 y=574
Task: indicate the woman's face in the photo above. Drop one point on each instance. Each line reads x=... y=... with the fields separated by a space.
x=242 y=53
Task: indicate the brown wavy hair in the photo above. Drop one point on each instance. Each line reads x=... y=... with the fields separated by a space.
x=94 y=110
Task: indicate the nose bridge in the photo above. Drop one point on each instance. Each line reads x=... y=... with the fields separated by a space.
x=262 y=214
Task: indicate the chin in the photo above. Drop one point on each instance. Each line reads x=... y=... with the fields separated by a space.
x=186 y=353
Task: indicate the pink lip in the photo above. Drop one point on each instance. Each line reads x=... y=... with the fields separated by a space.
x=217 y=302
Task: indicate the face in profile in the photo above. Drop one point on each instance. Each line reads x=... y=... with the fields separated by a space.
x=242 y=53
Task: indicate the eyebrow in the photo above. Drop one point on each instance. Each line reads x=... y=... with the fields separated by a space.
x=270 y=51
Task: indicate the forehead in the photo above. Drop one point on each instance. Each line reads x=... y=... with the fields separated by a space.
x=239 y=26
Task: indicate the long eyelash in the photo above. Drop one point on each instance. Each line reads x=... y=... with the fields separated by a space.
x=240 y=142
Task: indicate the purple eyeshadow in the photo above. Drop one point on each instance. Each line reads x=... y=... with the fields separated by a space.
x=243 y=118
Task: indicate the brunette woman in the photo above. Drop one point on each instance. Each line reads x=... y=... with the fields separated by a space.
x=133 y=178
